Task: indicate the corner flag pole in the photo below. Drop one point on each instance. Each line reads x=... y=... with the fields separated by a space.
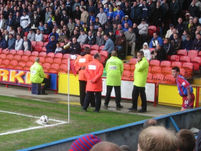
x=68 y=90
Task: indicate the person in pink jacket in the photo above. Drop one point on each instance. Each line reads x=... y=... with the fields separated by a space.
x=93 y=73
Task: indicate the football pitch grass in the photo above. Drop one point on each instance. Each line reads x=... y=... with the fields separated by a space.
x=18 y=114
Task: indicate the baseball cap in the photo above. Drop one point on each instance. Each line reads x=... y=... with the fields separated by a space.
x=84 y=143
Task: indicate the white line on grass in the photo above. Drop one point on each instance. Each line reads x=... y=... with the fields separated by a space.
x=59 y=122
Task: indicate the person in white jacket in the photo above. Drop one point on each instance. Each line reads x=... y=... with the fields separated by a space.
x=102 y=17
x=25 y=21
x=18 y=42
x=38 y=35
x=146 y=51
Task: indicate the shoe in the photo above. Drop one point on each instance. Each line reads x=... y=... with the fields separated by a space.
x=84 y=110
x=119 y=107
x=142 y=111
x=96 y=111
x=105 y=106
x=132 y=110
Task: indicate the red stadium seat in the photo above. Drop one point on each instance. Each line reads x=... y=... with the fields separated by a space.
x=3 y=56
x=174 y=58
x=46 y=66
x=57 y=60
x=49 y=60
x=154 y=63
x=166 y=70
x=155 y=69
x=66 y=56
x=22 y=64
x=45 y=43
x=196 y=63
x=158 y=78
x=5 y=51
x=176 y=64
x=42 y=59
x=192 y=53
x=95 y=47
x=42 y=54
x=169 y=79
x=127 y=75
x=64 y=61
x=20 y=52
x=50 y=54
x=32 y=58
x=133 y=61
x=188 y=65
x=55 y=66
x=39 y=43
x=93 y=52
x=33 y=43
x=45 y=37
x=104 y=53
x=85 y=45
x=25 y=58
x=35 y=53
x=10 y=56
x=17 y=57
x=29 y=64
x=14 y=63
x=43 y=49
x=101 y=47
x=185 y=59
x=182 y=52
x=27 y=53
x=63 y=68
x=38 y=48
x=13 y=51
x=58 y=55
x=165 y=64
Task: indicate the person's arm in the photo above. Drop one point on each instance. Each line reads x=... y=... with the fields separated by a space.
x=189 y=94
x=141 y=66
x=100 y=72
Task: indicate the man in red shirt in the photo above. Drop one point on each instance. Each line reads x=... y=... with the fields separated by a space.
x=184 y=88
x=93 y=73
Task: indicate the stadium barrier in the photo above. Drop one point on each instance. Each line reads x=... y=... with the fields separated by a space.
x=22 y=78
x=128 y=134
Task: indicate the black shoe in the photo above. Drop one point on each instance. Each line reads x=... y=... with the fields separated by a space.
x=142 y=111
x=119 y=107
x=132 y=110
x=105 y=106
x=96 y=111
x=84 y=110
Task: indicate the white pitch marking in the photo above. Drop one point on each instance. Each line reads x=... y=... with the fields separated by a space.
x=59 y=122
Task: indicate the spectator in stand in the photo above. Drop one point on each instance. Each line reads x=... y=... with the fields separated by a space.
x=82 y=37
x=193 y=9
x=168 y=48
x=31 y=35
x=114 y=70
x=18 y=43
x=54 y=33
x=106 y=146
x=109 y=44
x=186 y=140
x=51 y=46
x=180 y=26
x=20 y=32
x=120 y=44
x=25 y=21
x=3 y=43
x=38 y=35
x=184 y=88
x=126 y=20
x=119 y=29
x=47 y=30
x=130 y=41
x=93 y=73
x=90 y=38
x=35 y=19
x=71 y=26
x=135 y=12
x=170 y=31
x=102 y=16
x=12 y=31
x=26 y=45
x=155 y=41
x=5 y=35
x=74 y=47
x=11 y=42
x=146 y=51
x=58 y=48
x=2 y=22
x=157 y=138
x=143 y=31
x=10 y=21
x=174 y=11
x=187 y=43
x=197 y=42
x=176 y=42
x=99 y=39
x=110 y=14
x=84 y=15
x=160 y=53
x=119 y=12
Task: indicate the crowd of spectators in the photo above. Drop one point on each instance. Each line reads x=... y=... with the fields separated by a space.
x=120 y=25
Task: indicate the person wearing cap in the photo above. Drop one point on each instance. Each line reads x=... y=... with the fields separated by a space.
x=84 y=143
x=146 y=51
x=93 y=73
x=25 y=21
x=114 y=70
x=127 y=20
x=80 y=65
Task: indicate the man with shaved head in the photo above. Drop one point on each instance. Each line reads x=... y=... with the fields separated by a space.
x=114 y=70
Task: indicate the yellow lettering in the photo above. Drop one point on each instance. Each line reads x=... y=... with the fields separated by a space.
x=27 y=78
x=14 y=77
x=4 y=75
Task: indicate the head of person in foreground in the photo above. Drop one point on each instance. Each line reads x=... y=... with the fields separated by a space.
x=106 y=146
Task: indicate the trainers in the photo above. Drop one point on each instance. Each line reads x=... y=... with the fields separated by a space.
x=132 y=110
x=119 y=107
x=142 y=111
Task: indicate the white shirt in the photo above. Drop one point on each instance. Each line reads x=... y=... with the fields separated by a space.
x=147 y=53
x=39 y=37
x=18 y=44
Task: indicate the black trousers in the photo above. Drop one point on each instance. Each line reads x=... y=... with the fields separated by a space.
x=82 y=85
x=117 y=95
x=88 y=97
x=135 y=94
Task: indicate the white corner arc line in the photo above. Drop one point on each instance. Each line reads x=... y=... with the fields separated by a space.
x=59 y=122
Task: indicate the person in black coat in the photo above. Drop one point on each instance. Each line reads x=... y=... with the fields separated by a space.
x=74 y=47
x=90 y=39
x=187 y=43
x=51 y=46
x=197 y=42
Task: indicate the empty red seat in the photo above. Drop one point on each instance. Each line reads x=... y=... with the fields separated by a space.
x=43 y=49
x=20 y=52
x=10 y=56
x=49 y=60
x=176 y=64
x=154 y=63
x=14 y=62
x=50 y=54
x=149 y=78
x=13 y=51
x=192 y=53
x=33 y=43
x=55 y=66
x=93 y=52
x=166 y=70
x=133 y=61
x=66 y=56
x=32 y=58
x=101 y=47
x=182 y=52
x=155 y=69
x=188 y=65
x=85 y=45
x=185 y=59
x=5 y=51
x=46 y=66
x=35 y=53
x=95 y=47
x=45 y=37
x=169 y=79
x=158 y=78
x=22 y=64
x=17 y=57
x=151 y=29
x=174 y=58
x=27 y=53
x=57 y=60
x=25 y=58
x=196 y=63
x=63 y=68
x=58 y=55
x=64 y=61
x=42 y=54
x=39 y=43
x=5 y=62
x=104 y=53
x=3 y=56
x=29 y=64
x=42 y=59
x=165 y=64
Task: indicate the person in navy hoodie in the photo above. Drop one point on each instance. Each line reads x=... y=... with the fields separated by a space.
x=3 y=44
x=51 y=46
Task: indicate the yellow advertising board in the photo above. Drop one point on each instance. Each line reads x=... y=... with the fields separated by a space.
x=169 y=95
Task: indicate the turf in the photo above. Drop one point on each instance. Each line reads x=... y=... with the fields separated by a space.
x=81 y=122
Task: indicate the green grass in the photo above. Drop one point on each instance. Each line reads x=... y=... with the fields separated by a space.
x=81 y=122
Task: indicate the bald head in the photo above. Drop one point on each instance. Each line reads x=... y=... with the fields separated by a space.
x=106 y=146
x=114 y=53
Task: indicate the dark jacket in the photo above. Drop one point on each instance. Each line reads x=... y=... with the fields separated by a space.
x=51 y=46
x=11 y=43
x=75 y=48
x=3 y=43
x=196 y=45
